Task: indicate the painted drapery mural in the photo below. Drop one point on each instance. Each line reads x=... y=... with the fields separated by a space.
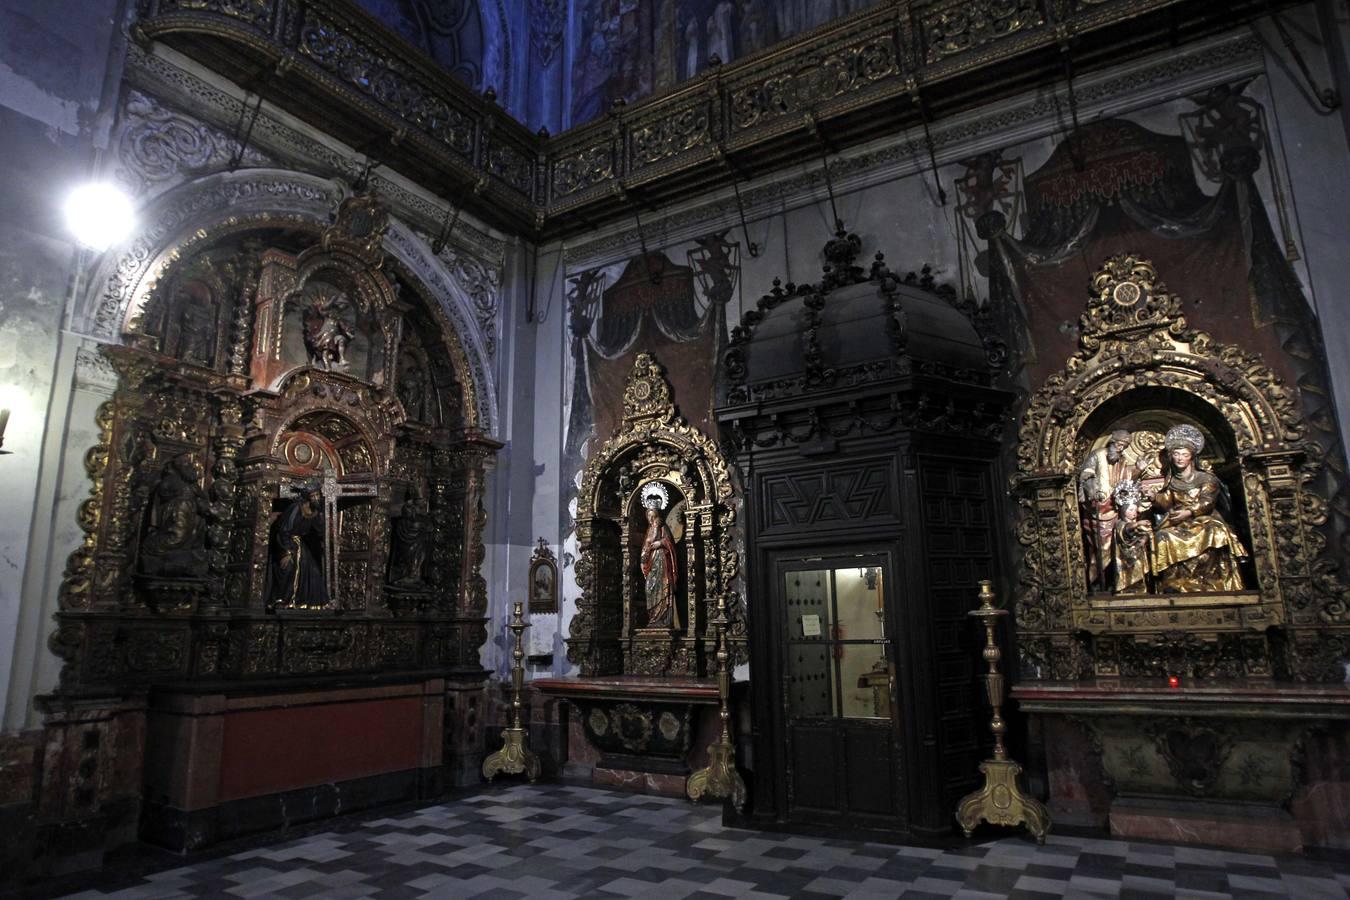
x=651 y=303
x=1120 y=184
x=627 y=49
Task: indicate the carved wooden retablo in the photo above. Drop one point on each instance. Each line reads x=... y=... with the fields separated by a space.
x=288 y=479
x=653 y=523
x=1199 y=426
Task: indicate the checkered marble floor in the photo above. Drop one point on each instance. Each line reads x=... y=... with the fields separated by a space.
x=557 y=841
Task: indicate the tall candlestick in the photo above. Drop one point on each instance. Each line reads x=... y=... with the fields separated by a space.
x=514 y=757
x=1000 y=801
x=720 y=778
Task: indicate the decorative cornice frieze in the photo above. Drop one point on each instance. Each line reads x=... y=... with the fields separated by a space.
x=854 y=80
x=93 y=371
x=174 y=81
x=1027 y=118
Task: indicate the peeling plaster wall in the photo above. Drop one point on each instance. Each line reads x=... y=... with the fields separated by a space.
x=56 y=63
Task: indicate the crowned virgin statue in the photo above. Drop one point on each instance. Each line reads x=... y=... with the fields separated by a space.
x=660 y=566
x=1194 y=549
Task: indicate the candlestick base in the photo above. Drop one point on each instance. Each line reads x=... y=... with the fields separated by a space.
x=513 y=759
x=1001 y=802
x=719 y=779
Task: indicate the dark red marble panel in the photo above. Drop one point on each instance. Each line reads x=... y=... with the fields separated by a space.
x=266 y=751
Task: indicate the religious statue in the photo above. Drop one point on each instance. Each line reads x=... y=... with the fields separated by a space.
x=660 y=567
x=175 y=537
x=412 y=389
x=197 y=331
x=1132 y=541
x=410 y=543
x=326 y=334
x=296 y=570
x=1101 y=472
x=1194 y=549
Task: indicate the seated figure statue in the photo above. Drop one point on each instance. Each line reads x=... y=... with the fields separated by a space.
x=1194 y=549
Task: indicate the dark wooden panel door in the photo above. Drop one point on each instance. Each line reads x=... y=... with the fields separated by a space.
x=838 y=691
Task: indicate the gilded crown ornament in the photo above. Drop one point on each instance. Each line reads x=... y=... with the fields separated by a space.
x=655 y=496
x=1127 y=302
x=647 y=393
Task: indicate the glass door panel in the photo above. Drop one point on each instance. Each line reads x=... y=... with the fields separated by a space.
x=837 y=651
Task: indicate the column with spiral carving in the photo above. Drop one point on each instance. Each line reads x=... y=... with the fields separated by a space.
x=1001 y=800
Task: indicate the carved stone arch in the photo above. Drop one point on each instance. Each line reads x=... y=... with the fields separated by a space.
x=1137 y=352
x=178 y=222
x=653 y=445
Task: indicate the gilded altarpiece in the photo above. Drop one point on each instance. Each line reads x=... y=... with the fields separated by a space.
x=1177 y=666
x=288 y=484
x=654 y=524
x=1140 y=368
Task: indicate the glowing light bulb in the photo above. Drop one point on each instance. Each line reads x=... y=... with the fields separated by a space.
x=1173 y=681
x=99 y=215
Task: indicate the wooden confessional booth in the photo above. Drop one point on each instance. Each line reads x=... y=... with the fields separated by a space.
x=862 y=417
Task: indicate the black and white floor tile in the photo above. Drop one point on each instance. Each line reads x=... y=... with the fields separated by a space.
x=554 y=841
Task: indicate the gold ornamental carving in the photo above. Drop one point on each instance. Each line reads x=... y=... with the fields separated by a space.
x=1140 y=361
x=658 y=489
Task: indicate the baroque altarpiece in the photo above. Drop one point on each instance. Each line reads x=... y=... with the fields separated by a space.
x=1180 y=612
x=656 y=528
x=1143 y=378
x=654 y=523
x=288 y=479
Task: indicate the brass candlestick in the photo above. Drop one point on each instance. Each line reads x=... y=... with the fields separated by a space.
x=514 y=757
x=1000 y=801
x=720 y=778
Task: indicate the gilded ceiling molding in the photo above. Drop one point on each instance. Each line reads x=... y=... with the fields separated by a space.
x=209 y=208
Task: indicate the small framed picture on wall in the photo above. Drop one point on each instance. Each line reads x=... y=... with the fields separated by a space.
x=543 y=580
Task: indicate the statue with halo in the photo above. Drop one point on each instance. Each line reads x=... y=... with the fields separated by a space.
x=1194 y=549
x=660 y=565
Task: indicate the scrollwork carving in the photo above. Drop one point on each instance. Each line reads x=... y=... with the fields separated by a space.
x=159 y=145
x=955 y=28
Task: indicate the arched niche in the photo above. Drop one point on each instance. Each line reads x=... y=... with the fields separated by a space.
x=182 y=223
x=654 y=458
x=1139 y=362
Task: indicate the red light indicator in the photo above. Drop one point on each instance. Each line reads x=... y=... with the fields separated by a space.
x=1173 y=681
